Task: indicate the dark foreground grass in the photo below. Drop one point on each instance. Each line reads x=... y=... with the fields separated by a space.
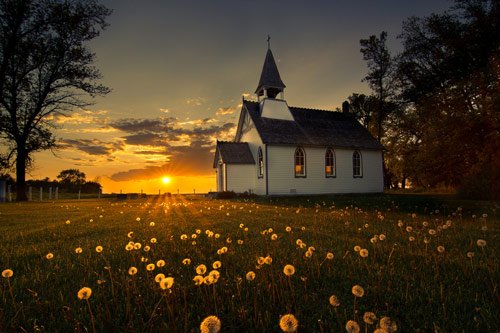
x=404 y=276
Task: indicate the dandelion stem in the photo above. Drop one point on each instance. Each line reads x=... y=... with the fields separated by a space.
x=91 y=316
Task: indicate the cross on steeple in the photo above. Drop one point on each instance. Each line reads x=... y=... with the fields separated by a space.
x=268 y=42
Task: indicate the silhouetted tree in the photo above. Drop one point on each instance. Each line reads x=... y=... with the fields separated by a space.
x=46 y=69
x=72 y=176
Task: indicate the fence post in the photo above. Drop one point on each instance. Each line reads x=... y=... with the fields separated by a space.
x=57 y=192
x=30 y=193
x=99 y=194
x=50 y=193
x=79 y=193
x=41 y=193
x=3 y=190
x=10 y=192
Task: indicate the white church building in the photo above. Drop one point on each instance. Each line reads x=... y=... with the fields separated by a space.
x=286 y=150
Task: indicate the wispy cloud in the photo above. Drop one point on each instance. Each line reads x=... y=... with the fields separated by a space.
x=93 y=146
x=225 y=111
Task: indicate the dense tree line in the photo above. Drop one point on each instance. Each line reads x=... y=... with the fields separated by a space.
x=436 y=105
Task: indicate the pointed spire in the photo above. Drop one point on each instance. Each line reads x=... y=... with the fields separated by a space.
x=270 y=79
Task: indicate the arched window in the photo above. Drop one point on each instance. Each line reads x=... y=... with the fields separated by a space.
x=357 y=170
x=330 y=163
x=260 y=164
x=300 y=162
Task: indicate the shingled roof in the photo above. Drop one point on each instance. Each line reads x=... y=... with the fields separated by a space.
x=233 y=153
x=312 y=128
x=270 y=77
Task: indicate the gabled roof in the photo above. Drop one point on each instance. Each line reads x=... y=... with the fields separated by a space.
x=233 y=153
x=312 y=127
x=270 y=77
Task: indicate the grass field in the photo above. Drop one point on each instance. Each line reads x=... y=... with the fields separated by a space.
x=430 y=264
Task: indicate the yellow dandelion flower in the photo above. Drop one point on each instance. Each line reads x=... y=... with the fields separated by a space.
x=147 y=248
x=215 y=274
x=288 y=229
x=167 y=283
x=369 y=318
x=268 y=260
x=7 y=273
x=388 y=324
x=229 y=240
x=159 y=277
x=308 y=254
x=240 y=242
x=334 y=301
x=352 y=327
x=84 y=293
x=210 y=324
x=208 y=280
x=241 y=225
x=289 y=270
x=198 y=231
x=78 y=250
x=288 y=323
x=250 y=276
x=217 y=264
x=99 y=249
x=411 y=239
x=194 y=236
x=246 y=229
x=381 y=237
x=49 y=256
x=440 y=248
x=298 y=241
x=153 y=240
x=151 y=224
x=150 y=267
x=432 y=232
x=261 y=260
x=223 y=249
x=184 y=237
x=470 y=255
x=198 y=280
x=329 y=256
x=481 y=243
x=274 y=237
x=138 y=219
x=201 y=269
x=129 y=247
x=358 y=291
x=68 y=221
x=160 y=263
x=137 y=246
x=357 y=248
x=132 y=270
x=186 y=261
x=409 y=229
x=130 y=234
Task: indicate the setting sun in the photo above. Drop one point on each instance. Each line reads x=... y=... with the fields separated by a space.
x=165 y=180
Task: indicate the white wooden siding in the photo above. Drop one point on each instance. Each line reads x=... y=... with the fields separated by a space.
x=239 y=177
x=282 y=178
x=254 y=142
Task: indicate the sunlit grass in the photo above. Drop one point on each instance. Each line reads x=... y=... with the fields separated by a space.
x=168 y=264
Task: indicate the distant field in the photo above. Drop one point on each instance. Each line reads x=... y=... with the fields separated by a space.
x=427 y=263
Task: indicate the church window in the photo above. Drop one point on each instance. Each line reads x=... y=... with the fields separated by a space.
x=260 y=163
x=330 y=163
x=300 y=163
x=357 y=171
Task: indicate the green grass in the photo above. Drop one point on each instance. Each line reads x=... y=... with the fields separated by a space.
x=408 y=281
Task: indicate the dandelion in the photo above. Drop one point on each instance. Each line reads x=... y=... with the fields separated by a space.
x=388 y=324
x=208 y=280
x=153 y=240
x=138 y=219
x=68 y=221
x=308 y=254
x=159 y=277
x=481 y=243
x=357 y=248
x=98 y=249
x=329 y=256
x=240 y=242
x=137 y=246
x=409 y=229
x=411 y=239
x=132 y=270
x=400 y=223
x=288 y=229
x=160 y=263
x=217 y=264
x=84 y=293
x=288 y=323
x=147 y=248
x=363 y=253
x=210 y=324
x=470 y=255
x=289 y=270
x=369 y=318
x=334 y=301
x=129 y=247
x=432 y=232
x=78 y=250
x=184 y=237
x=198 y=231
x=49 y=256
x=151 y=224
x=215 y=274
x=198 y=280
x=358 y=291
x=130 y=234
x=250 y=276
x=150 y=267
x=201 y=269
x=268 y=260
x=425 y=224
x=274 y=237
x=426 y=240
x=440 y=249
x=352 y=327
x=167 y=283
x=261 y=260
x=186 y=261
x=7 y=273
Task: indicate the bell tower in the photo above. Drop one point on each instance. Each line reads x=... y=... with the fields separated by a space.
x=270 y=83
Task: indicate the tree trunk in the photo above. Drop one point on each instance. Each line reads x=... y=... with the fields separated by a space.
x=21 y=173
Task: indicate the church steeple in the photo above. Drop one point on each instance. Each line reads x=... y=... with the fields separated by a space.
x=270 y=84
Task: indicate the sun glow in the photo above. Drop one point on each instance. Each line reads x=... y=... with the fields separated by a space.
x=165 y=180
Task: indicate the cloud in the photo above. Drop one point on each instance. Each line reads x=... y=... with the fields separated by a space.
x=93 y=146
x=164 y=110
x=81 y=117
x=138 y=125
x=225 y=111
x=195 y=101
